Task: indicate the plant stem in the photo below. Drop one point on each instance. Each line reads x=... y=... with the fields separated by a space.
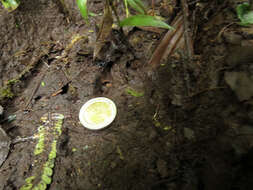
x=115 y=11
x=126 y=6
x=251 y=4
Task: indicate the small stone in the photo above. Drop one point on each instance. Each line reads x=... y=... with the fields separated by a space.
x=232 y=38
x=188 y=133
x=241 y=84
x=162 y=168
x=4 y=146
x=1 y=110
x=113 y=165
x=152 y=135
x=177 y=100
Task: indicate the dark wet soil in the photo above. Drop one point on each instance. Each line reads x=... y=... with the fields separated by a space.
x=190 y=130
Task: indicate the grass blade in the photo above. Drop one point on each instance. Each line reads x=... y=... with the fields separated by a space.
x=144 y=20
x=137 y=5
x=82 y=5
x=126 y=7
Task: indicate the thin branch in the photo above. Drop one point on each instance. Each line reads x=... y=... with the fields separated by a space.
x=115 y=12
x=187 y=31
x=37 y=85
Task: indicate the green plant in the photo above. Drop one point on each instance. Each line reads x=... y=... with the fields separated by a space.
x=45 y=152
x=10 y=5
x=40 y=145
x=141 y=19
x=134 y=93
x=245 y=14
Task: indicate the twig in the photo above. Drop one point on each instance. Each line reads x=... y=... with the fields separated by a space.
x=60 y=90
x=153 y=8
x=35 y=88
x=187 y=31
x=115 y=12
x=19 y=139
x=164 y=181
x=206 y=90
x=224 y=29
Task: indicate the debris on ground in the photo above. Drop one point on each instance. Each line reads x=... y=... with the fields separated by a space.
x=241 y=84
x=1 y=110
x=4 y=146
x=184 y=97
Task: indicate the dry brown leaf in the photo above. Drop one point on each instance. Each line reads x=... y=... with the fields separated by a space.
x=171 y=39
x=104 y=31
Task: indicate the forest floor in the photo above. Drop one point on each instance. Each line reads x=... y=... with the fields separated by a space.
x=179 y=125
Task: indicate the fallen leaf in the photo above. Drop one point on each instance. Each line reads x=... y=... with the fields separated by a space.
x=104 y=30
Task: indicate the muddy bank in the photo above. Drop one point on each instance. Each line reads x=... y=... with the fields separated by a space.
x=176 y=128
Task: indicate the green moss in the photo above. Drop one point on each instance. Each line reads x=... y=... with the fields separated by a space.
x=12 y=81
x=6 y=92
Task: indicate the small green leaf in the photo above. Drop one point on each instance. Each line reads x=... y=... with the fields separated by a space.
x=50 y=164
x=137 y=5
x=10 y=5
x=134 y=93
x=11 y=118
x=166 y=128
x=120 y=153
x=85 y=147
x=30 y=179
x=52 y=154
x=92 y=14
x=47 y=180
x=40 y=145
x=82 y=5
x=244 y=14
x=144 y=20
x=42 y=185
x=26 y=187
x=48 y=171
